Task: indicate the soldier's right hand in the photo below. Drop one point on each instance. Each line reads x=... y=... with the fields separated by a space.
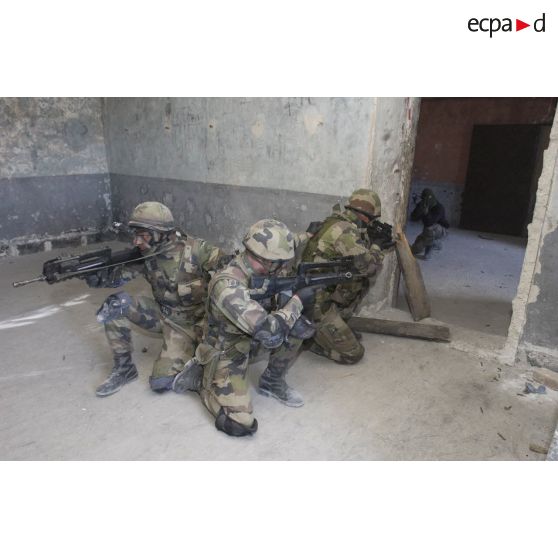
x=307 y=296
x=105 y=278
x=94 y=280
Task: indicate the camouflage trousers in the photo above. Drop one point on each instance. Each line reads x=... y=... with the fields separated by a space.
x=429 y=238
x=225 y=381
x=179 y=340
x=334 y=339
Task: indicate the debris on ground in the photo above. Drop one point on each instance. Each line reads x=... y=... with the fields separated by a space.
x=507 y=408
x=485 y=237
x=537 y=448
x=496 y=378
x=144 y=350
x=501 y=436
x=63 y=357
x=481 y=410
x=530 y=388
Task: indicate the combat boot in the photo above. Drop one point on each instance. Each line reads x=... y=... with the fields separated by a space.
x=428 y=253
x=190 y=378
x=123 y=371
x=273 y=384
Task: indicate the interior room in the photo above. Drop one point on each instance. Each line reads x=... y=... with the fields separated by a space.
x=482 y=159
x=73 y=167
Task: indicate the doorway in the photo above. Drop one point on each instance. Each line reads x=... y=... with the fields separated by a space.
x=501 y=177
x=481 y=158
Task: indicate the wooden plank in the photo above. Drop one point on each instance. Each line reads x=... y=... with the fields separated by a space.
x=415 y=291
x=429 y=332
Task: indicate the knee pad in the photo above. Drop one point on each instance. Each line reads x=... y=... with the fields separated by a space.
x=115 y=306
x=271 y=332
x=353 y=357
x=233 y=428
x=303 y=328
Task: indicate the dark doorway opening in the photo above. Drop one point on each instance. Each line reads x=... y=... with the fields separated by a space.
x=481 y=158
x=502 y=174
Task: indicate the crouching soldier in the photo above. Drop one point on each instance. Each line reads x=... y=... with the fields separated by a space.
x=177 y=267
x=345 y=233
x=238 y=325
x=435 y=225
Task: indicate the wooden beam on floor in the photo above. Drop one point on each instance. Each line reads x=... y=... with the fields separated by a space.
x=428 y=332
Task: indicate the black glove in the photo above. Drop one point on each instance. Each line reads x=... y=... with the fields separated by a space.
x=272 y=332
x=385 y=244
x=307 y=296
x=381 y=234
x=95 y=280
x=225 y=260
x=314 y=227
x=108 y=278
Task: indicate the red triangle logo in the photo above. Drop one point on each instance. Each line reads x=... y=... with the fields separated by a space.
x=519 y=25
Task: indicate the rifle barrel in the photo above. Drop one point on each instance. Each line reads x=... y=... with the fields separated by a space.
x=22 y=283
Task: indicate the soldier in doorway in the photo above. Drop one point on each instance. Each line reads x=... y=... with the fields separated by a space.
x=435 y=225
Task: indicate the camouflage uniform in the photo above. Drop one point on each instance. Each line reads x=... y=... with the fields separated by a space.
x=236 y=325
x=179 y=277
x=177 y=268
x=343 y=234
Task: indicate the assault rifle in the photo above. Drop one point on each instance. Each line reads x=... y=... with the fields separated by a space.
x=339 y=271
x=62 y=268
x=381 y=234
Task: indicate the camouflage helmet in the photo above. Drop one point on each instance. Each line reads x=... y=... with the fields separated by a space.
x=152 y=215
x=271 y=240
x=366 y=201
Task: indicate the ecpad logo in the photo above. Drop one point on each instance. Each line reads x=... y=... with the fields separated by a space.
x=494 y=24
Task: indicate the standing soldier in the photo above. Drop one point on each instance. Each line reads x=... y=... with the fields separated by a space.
x=435 y=225
x=178 y=273
x=344 y=233
x=238 y=325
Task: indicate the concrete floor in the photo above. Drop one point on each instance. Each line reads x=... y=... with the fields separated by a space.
x=471 y=283
x=407 y=399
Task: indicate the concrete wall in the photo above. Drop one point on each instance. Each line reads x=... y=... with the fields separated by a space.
x=53 y=170
x=222 y=164
x=533 y=331
x=311 y=145
x=444 y=137
x=390 y=162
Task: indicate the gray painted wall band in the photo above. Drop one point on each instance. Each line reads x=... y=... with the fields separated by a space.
x=219 y=212
x=50 y=205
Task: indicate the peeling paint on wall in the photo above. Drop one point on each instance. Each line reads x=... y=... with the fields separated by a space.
x=51 y=136
x=53 y=171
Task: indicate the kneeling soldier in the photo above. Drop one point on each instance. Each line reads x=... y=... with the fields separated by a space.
x=177 y=268
x=238 y=325
x=345 y=233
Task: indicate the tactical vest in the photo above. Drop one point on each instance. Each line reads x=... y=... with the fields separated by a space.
x=179 y=284
x=312 y=245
